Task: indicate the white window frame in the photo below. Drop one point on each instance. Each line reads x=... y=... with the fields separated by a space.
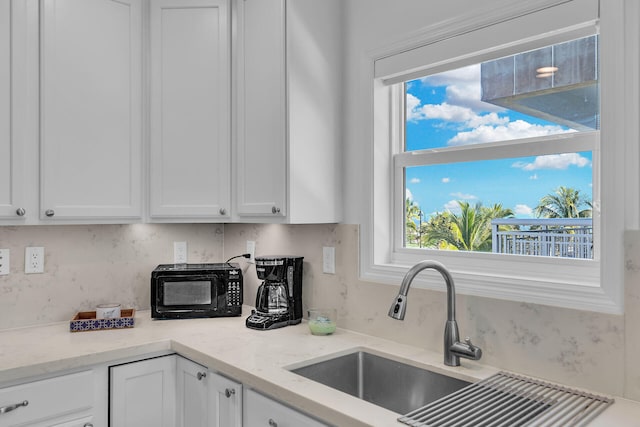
x=594 y=285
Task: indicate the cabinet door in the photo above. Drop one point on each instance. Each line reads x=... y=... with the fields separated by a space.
x=143 y=393
x=225 y=402
x=90 y=126
x=262 y=135
x=190 y=109
x=12 y=72
x=191 y=404
x=261 y=411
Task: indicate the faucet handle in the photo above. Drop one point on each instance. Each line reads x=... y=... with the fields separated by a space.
x=466 y=349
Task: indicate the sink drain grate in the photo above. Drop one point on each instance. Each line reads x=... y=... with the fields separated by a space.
x=509 y=400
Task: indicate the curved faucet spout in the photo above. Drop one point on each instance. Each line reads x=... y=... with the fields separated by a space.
x=453 y=348
x=406 y=283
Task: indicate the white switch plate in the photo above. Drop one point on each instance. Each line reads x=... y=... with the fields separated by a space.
x=34 y=260
x=251 y=250
x=329 y=260
x=180 y=252
x=5 y=262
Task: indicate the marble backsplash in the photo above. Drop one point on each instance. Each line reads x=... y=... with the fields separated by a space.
x=88 y=265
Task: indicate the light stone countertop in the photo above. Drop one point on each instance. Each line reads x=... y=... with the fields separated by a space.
x=258 y=359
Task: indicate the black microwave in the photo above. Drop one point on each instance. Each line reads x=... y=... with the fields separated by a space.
x=183 y=291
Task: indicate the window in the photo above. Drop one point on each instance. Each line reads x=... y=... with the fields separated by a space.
x=409 y=88
x=505 y=154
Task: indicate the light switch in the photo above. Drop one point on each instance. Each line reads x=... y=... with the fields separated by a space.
x=329 y=260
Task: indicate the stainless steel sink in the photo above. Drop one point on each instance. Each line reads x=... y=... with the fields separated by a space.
x=391 y=384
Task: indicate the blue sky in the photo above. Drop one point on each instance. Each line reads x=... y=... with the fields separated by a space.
x=445 y=110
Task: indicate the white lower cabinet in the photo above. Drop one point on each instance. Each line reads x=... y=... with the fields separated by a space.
x=205 y=398
x=172 y=391
x=261 y=411
x=69 y=400
x=224 y=398
x=143 y=393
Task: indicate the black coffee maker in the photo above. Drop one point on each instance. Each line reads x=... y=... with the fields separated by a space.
x=279 y=298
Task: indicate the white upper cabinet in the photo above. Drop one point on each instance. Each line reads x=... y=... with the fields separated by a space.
x=90 y=124
x=190 y=161
x=18 y=98
x=288 y=111
x=10 y=178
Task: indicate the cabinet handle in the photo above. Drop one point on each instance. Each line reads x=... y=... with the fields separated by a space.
x=20 y=212
x=229 y=392
x=49 y=212
x=275 y=210
x=201 y=375
x=223 y=211
x=88 y=425
x=9 y=408
x=272 y=423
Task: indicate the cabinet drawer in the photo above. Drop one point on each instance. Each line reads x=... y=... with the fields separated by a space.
x=260 y=410
x=47 y=399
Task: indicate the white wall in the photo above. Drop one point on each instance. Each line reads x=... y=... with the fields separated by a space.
x=86 y=265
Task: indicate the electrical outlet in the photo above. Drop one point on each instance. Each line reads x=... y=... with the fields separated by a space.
x=180 y=252
x=34 y=260
x=329 y=260
x=251 y=250
x=5 y=264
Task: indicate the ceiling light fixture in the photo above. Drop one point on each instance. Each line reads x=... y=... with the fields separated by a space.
x=545 y=72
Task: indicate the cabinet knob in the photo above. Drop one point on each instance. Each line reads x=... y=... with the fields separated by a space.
x=272 y=423
x=88 y=425
x=223 y=211
x=20 y=212
x=201 y=375
x=49 y=212
x=229 y=392
x=9 y=408
x=275 y=210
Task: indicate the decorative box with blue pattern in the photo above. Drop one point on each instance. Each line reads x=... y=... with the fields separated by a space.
x=86 y=321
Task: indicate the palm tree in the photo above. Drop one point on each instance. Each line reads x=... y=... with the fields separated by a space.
x=412 y=213
x=469 y=231
x=564 y=203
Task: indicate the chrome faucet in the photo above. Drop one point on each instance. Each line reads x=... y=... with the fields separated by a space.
x=453 y=348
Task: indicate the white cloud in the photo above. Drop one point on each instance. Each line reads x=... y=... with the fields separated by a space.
x=554 y=161
x=414 y=181
x=413 y=114
x=446 y=180
x=534 y=177
x=462 y=196
x=462 y=88
x=463 y=117
x=512 y=130
x=523 y=210
x=453 y=206
x=444 y=111
x=408 y=194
